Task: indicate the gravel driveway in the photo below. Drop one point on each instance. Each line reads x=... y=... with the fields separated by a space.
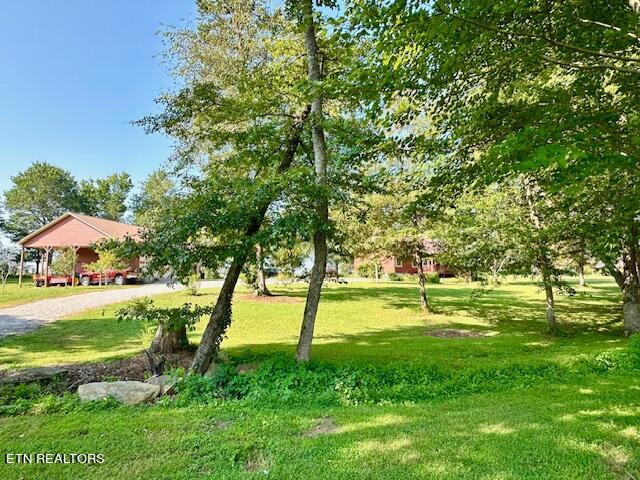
x=31 y=316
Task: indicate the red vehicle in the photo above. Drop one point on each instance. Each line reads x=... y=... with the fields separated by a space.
x=52 y=280
x=119 y=277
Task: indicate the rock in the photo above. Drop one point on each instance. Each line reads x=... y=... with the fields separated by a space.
x=40 y=374
x=165 y=382
x=126 y=392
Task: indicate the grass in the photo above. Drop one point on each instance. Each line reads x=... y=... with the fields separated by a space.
x=589 y=429
x=579 y=425
x=363 y=322
x=14 y=295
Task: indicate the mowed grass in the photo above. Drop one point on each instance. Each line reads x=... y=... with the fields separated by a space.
x=361 y=322
x=582 y=425
x=585 y=430
x=15 y=295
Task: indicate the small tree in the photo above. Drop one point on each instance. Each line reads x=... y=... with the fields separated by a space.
x=107 y=260
x=8 y=263
x=172 y=323
x=64 y=263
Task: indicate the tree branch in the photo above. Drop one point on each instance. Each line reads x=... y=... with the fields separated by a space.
x=534 y=36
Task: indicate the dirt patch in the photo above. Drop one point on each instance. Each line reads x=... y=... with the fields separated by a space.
x=272 y=299
x=324 y=426
x=454 y=333
x=133 y=368
x=257 y=461
x=223 y=424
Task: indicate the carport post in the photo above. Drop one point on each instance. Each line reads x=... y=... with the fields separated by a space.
x=75 y=260
x=21 y=267
x=46 y=266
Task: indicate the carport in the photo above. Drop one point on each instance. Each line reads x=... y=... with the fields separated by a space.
x=78 y=232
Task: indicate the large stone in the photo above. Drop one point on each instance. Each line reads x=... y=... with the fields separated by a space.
x=39 y=374
x=126 y=392
x=165 y=382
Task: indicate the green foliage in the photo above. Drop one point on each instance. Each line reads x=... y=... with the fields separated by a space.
x=106 y=197
x=432 y=277
x=366 y=270
x=107 y=260
x=173 y=319
x=156 y=192
x=38 y=195
x=64 y=261
x=192 y=284
x=280 y=380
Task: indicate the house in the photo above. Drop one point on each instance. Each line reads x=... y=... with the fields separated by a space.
x=80 y=232
x=410 y=265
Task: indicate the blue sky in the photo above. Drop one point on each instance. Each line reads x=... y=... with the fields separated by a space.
x=73 y=75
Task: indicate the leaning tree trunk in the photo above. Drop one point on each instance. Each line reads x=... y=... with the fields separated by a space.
x=303 y=351
x=261 y=279
x=168 y=341
x=221 y=315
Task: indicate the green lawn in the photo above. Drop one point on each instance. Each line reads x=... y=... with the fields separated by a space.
x=364 y=323
x=15 y=295
x=585 y=424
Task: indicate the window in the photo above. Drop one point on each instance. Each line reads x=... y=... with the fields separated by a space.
x=398 y=262
x=414 y=263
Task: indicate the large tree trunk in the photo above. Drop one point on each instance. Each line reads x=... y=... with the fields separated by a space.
x=221 y=316
x=303 y=352
x=167 y=341
x=631 y=284
x=261 y=280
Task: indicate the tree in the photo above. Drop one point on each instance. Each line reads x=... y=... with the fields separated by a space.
x=106 y=197
x=303 y=351
x=171 y=323
x=482 y=234
x=543 y=94
x=107 y=260
x=154 y=193
x=8 y=264
x=64 y=262
x=37 y=196
x=239 y=124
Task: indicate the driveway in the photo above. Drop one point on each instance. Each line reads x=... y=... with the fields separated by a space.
x=31 y=316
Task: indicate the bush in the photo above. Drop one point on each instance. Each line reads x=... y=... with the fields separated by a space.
x=366 y=270
x=394 y=277
x=432 y=277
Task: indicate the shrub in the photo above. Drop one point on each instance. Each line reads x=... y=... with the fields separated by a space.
x=394 y=277
x=173 y=322
x=366 y=270
x=432 y=277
